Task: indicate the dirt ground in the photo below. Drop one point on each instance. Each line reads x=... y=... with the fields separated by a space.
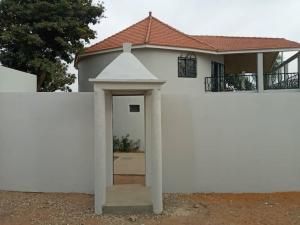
x=196 y=209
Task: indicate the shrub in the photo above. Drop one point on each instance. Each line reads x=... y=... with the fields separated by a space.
x=124 y=144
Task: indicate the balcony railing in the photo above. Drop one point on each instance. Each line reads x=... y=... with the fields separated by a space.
x=281 y=81
x=231 y=83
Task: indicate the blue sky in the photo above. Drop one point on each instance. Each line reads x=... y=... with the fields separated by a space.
x=267 y=18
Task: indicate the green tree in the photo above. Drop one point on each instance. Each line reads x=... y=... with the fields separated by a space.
x=42 y=37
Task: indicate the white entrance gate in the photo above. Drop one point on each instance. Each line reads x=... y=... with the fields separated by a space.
x=127 y=76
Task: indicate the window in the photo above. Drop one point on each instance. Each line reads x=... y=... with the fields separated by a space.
x=134 y=108
x=187 y=66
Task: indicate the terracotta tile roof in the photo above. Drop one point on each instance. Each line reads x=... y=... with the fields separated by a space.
x=134 y=34
x=152 y=31
x=223 y=43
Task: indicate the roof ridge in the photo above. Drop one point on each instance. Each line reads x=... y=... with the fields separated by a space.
x=201 y=35
x=189 y=36
x=149 y=28
x=152 y=30
x=118 y=32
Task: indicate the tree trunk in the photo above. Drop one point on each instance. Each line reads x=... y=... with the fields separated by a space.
x=40 y=80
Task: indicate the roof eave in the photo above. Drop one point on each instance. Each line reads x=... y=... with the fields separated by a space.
x=154 y=81
x=258 y=50
x=127 y=84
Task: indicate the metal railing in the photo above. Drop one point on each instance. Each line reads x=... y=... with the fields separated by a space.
x=231 y=83
x=281 y=81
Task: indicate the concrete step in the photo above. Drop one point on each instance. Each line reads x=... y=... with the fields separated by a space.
x=127 y=210
x=128 y=198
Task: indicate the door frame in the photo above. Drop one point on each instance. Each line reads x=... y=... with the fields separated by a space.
x=147 y=135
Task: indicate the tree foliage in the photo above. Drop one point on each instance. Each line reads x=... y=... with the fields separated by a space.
x=42 y=37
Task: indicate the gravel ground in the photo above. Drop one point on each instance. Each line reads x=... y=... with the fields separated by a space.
x=195 y=209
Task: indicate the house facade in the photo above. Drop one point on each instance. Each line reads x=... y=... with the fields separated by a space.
x=195 y=63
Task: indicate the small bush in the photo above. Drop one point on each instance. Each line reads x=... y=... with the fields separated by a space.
x=124 y=144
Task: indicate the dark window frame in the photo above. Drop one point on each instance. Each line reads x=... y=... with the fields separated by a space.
x=134 y=108
x=187 y=72
x=217 y=75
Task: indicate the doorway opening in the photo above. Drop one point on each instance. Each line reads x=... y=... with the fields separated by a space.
x=129 y=152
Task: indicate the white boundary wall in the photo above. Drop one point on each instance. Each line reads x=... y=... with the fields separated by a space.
x=47 y=142
x=231 y=142
x=16 y=81
x=217 y=142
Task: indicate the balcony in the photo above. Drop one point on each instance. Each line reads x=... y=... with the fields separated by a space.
x=281 y=81
x=229 y=83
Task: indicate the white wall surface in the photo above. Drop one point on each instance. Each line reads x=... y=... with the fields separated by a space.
x=16 y=81
x=162 y=63
x=47 y=142
x=216 y=142
x=91 y=68
x=231 y=142
x=126 y=122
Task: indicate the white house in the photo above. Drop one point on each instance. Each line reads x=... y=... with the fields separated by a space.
x=203 y=63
